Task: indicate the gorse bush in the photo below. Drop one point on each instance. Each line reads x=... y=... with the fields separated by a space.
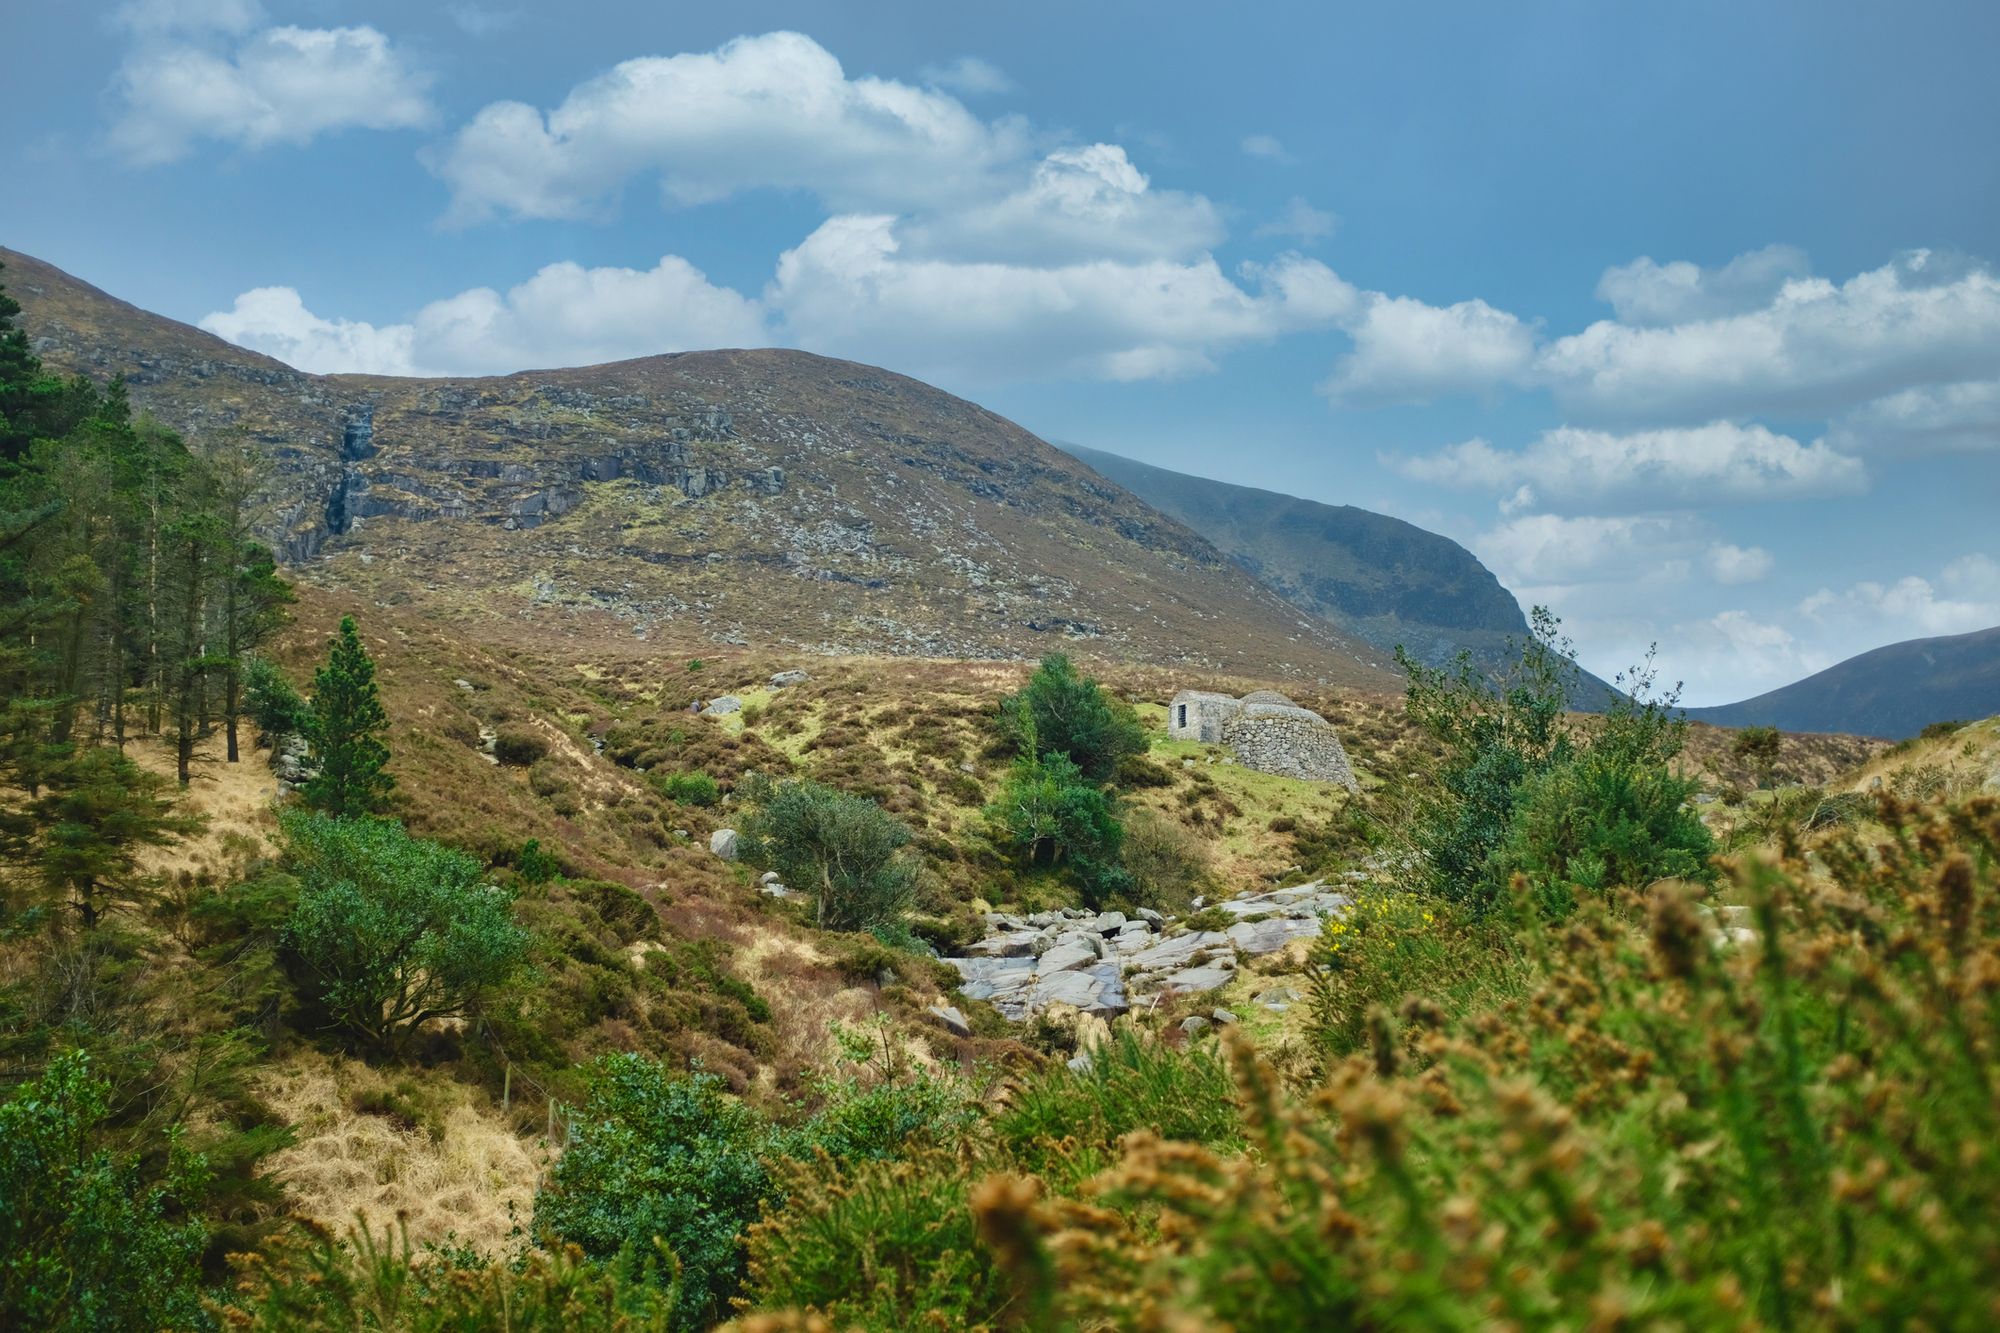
x=392 y=931
x=660 y=1155
x=1520 y=788
x=316 y=1281
x=844 y=850
x=85 y=1244
x=1799 y=1131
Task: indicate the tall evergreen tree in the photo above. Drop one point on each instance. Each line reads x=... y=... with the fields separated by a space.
x=99 y=812
x=347 y=728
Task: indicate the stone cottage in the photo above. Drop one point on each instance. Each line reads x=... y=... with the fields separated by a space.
x=1265 y=731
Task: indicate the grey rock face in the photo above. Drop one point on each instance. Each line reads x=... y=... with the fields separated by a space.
x=1064 y=957
x=725 y=704
x=723 y=843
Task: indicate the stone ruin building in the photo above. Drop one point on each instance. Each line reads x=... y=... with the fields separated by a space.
x=1265 y=731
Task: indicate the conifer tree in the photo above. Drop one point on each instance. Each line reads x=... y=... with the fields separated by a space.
x=99 y=811
x=347 y=727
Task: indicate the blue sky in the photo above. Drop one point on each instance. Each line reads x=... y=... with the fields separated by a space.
x=1683 y=317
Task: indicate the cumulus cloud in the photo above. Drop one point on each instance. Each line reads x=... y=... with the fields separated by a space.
x=1406 y=351
x=1266 y=147
x=1539 y=551
x=1722 y=461
x=1965 y=597
x=275 y=321
x=1732 y=564
x=772 y=111
x=1814 y=348
x=565 y=315
x=1648 y=294
x=1944 y=418
x=1079 y=203
x=969 y=76
x=1301 y=222
x=200 y=72
x=849 y=288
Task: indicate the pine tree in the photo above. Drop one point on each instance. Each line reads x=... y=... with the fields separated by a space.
x=99 y=811
x=347 y=727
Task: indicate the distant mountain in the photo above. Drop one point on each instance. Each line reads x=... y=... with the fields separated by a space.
x=1893 y=692
x=1385 y=581
x=763 y=497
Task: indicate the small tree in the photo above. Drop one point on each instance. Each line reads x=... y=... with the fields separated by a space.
x=846 y=849
x=1050 y=814
x=273 y=705
x=347 y=728
x=666 y=1156
x=1758 y=746
x=391 y=931
x=99 y=811
x=1062 y=712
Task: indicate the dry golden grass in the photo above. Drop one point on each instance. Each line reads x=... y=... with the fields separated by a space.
x=235 y=800
x=459 y=1173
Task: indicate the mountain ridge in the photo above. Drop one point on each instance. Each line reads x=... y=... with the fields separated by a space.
x=1894 y=691
x=761 y=496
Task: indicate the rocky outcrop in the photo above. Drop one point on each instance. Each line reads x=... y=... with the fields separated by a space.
x=1105 y=963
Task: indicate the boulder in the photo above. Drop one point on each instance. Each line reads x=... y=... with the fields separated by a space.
x=954 y=1021
x=723 y=843
x=1107 y=923
x=1014 y=944
x=1222 y=1017
x=1064 y=958
x=1194 y=1025
x=784 y=678
x=728 y=703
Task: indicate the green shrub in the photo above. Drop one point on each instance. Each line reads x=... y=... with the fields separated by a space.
x=1067 y=1123
x=1052 y=816
x=519 y=748
x=320 y=1282
x=1391 y=946
x=1759 y=747
x=698 y=789
x=85 y=1242
x=1168 y=863
x=535 y=865
x=1939 y=730
x=1061 y=712
x=391 y=931
x=844 y=850
x=660 y=1155
x=273 y=705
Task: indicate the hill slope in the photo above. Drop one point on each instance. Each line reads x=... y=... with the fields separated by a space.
x=1893 y=692
x=1385 y=581
x=746 y=497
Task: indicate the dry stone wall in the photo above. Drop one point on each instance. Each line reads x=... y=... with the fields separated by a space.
x=1288 y=742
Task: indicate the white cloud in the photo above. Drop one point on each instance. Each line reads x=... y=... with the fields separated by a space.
x=281 y=85
x=851 y=290
x=969 y=76
x=1965 y=597
x=1722 y=461
x=1406 y=351
x=275 y=321
x=1731 y=564
x=1079 y=203
x=1734 y=655
x=1815 y=348
x=773 y=111
x=565 y=315
x=1944 y=418
x=1649 y=294
x=1301 y=222
x=1537 y=551
x=1266 y=147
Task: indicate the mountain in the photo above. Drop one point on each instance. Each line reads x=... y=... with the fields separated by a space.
x=1893 y=692
x=1387 y=582
x=762 y=497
